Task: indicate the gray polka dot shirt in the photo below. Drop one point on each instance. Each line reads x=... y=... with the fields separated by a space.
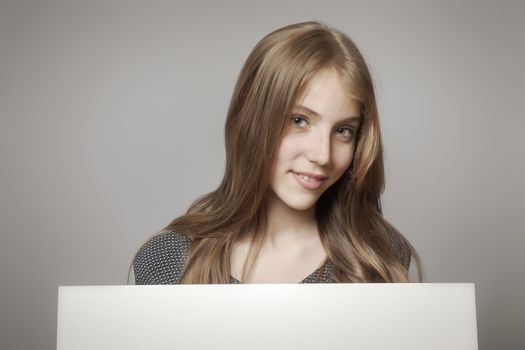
x=161 y=261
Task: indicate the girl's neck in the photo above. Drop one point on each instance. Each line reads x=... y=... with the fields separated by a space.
x=285 y=225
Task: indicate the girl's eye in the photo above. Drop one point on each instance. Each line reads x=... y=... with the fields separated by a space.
x=299 y=121
x=346 y=132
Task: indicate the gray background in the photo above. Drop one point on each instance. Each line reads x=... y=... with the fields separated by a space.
x=112 y=123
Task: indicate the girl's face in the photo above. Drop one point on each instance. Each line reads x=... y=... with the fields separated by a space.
x=318 y=142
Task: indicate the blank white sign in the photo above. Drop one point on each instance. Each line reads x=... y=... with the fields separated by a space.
x=268 y=316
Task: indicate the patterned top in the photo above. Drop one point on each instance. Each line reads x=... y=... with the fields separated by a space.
x=161 y=261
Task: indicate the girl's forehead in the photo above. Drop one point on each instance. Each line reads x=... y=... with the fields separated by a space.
x=344 y=83
x=326 y=88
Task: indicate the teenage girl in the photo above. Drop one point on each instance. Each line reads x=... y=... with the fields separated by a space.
x=300 y=197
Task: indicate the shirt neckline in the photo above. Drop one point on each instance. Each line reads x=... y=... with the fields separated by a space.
x=319 y=270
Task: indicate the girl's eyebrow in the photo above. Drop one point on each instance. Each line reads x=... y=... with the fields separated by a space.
x=356 y=118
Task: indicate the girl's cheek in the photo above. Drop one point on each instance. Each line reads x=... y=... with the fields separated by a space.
x=290 y=147
x=343 y=157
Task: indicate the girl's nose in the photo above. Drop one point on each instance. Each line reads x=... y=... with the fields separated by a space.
x=318 y=149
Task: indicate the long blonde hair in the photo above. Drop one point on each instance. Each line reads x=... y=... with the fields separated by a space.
x=356 y=237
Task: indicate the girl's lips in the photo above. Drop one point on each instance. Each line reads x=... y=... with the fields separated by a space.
x=311 y=184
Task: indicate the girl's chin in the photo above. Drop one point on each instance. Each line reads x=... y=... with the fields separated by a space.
x=293 y=202
x=300 y=206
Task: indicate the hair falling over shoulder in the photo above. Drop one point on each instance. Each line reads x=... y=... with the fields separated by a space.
x=358 y=240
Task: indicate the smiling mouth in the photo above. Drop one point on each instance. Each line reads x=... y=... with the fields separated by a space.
x=309 y=182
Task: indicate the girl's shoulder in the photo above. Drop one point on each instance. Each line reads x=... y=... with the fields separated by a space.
x=401 y=248
x=161 y=259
